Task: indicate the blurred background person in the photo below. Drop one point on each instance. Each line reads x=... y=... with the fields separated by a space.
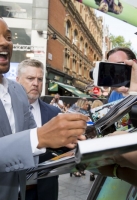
x=119 y=55
x=83 y=106
x=57 y=102
x=95 y=104
x=66 y=106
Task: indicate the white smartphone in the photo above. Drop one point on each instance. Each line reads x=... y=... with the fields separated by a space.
x=112 y=74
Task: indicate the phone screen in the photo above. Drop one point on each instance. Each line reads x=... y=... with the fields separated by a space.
x=114 y=74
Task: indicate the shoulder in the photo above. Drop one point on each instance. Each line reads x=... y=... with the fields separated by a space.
x=17 y=86
x=49 y=107
x=115 y=96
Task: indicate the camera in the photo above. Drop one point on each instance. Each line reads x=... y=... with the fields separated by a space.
x=112 y=74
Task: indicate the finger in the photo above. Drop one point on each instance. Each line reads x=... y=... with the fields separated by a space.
x=77 y=125
x=129 y=62
x=68 y=125
x=72 y=139
x=81 y=137
x=74 y=117
x=71 y=145
x=75 y=133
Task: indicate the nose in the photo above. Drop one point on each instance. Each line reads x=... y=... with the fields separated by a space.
x=35 y=82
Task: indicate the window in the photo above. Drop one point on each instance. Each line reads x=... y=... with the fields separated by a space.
x=68 y=29
x=67 y=60
x=81 y=8
x=74 y=62
x=86 y=49
x=15 y=10
x=80 y=68
x=85 y=72
x=75 y=37
x=21 y=36
x=94 y=56
x=81 y=44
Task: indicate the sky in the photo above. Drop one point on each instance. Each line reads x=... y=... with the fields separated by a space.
x=118 y=27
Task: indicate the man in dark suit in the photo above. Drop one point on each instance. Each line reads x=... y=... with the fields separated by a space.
x=30 y=76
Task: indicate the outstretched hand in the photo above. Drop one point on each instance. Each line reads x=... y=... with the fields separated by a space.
x=62 y=130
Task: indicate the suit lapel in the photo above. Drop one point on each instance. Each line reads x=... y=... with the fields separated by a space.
x=44 y=112
x=17 y=107
x=4 y=122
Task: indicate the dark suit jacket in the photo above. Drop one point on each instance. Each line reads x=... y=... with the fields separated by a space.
x=47 y=188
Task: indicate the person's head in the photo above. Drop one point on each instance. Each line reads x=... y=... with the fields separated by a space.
x=90 y=103
x=119 y=54
x=68 y=105
x=6 y=48
x=83 y=104
x=30 y=76
x=57 y=96
x=96 y=103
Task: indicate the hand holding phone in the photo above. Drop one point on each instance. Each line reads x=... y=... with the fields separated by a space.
x=112 y=74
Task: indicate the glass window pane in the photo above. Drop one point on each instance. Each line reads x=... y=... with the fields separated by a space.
x=15 y=10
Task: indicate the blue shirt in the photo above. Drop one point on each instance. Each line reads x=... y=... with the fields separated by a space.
x=115 y=96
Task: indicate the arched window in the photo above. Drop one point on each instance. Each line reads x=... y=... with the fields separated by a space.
x=80 y=68
x=94 y=56
x=86 y=49
x=68 y=29
x=81 y=43
x=67 y=60
x=85 y=72
x=75 y=37
x=74 y=63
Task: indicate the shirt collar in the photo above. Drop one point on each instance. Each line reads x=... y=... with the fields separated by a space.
x=3 y=87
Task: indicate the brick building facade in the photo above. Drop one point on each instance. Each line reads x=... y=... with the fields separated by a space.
x=78 y=45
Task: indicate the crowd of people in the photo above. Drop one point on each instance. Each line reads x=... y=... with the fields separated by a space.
x=30 y=128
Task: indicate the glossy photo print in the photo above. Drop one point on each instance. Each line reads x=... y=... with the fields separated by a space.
x=125 y=10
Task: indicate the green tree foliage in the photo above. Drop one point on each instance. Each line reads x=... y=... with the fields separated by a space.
x=119 y=41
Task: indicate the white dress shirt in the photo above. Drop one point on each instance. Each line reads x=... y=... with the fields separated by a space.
x=35 y=109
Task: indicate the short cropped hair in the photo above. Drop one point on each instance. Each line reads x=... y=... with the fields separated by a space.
x=29 y=63
x=126 y=50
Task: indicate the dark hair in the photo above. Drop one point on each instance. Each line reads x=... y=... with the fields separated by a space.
x=126 y=50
